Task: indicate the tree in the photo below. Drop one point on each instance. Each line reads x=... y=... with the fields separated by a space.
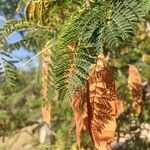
x=97 y=27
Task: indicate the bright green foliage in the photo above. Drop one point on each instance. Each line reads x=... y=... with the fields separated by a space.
x=145 y=4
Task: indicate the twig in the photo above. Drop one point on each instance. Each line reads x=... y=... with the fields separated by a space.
x=31 y=59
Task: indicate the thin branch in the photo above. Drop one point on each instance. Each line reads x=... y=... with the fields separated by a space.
x=31 y=59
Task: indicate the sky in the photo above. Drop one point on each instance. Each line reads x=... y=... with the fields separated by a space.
x=21 y=55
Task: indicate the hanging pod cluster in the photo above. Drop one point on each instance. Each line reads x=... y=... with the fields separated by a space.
x=96 y=110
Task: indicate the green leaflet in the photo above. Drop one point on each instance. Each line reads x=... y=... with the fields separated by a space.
x=100 y=27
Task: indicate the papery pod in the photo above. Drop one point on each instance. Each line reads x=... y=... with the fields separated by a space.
x=79 y=116
x=46 y=111
x=46 y=107
x=101 y=104
x=135 y=83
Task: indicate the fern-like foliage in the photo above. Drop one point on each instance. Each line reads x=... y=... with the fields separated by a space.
x=7 y=69
x=47 y=12
x=145 y=5
x=40 y=20
x=95 y=26
x=93 y=30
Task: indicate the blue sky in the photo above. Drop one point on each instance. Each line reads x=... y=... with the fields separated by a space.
x=22 y=54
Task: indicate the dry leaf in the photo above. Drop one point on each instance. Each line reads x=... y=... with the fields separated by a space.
x=78 y=117
x=100 y=109
x=101 y=104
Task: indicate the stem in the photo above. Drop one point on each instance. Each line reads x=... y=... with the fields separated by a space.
x=62 y=15
x=31 y=59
